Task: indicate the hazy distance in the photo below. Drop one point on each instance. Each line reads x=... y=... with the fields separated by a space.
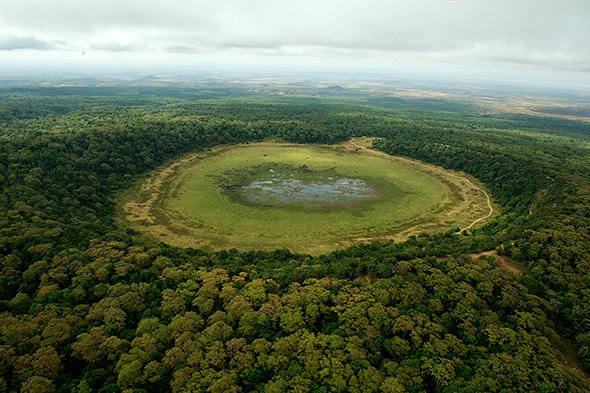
x=532 y=42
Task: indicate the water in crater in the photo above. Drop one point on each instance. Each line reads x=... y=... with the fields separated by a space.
x=286 y=190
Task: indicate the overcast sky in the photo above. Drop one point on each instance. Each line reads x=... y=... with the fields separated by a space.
x=549 y=34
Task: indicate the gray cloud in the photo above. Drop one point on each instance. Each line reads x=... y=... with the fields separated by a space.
x=15 y=43
x=544 y=32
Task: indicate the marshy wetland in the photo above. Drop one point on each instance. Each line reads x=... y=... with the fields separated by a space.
x=276 y=184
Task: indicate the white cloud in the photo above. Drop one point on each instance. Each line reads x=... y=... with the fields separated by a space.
x=544 y=32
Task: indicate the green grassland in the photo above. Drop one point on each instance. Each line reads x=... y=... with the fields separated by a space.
x=194 y=210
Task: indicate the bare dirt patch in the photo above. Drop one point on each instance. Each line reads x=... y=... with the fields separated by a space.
x=504 y=261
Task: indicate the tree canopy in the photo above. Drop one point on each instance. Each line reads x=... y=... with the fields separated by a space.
x=88 y=306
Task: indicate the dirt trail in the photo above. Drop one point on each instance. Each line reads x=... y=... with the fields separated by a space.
x=570 y=361
x=142 y=207
x=489 y=202
x=365 y=144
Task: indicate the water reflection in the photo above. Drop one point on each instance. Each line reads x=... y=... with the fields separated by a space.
x=287 y=190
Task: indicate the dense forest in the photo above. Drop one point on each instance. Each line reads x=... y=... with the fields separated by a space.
x=88 y=306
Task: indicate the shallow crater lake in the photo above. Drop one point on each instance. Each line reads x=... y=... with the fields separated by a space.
x=301 y=187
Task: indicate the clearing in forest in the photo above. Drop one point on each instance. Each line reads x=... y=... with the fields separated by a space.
x=305 y=198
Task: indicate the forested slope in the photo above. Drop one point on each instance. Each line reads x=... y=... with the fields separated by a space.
x=87 y=306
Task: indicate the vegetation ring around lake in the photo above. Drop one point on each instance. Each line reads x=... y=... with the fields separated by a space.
x=305 y=198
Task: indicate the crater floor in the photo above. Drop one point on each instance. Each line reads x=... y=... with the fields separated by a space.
x=306 y=198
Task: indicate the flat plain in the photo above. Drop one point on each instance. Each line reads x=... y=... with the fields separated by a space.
x=183 y=203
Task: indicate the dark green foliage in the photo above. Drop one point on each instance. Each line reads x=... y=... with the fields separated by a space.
x=88 y=306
